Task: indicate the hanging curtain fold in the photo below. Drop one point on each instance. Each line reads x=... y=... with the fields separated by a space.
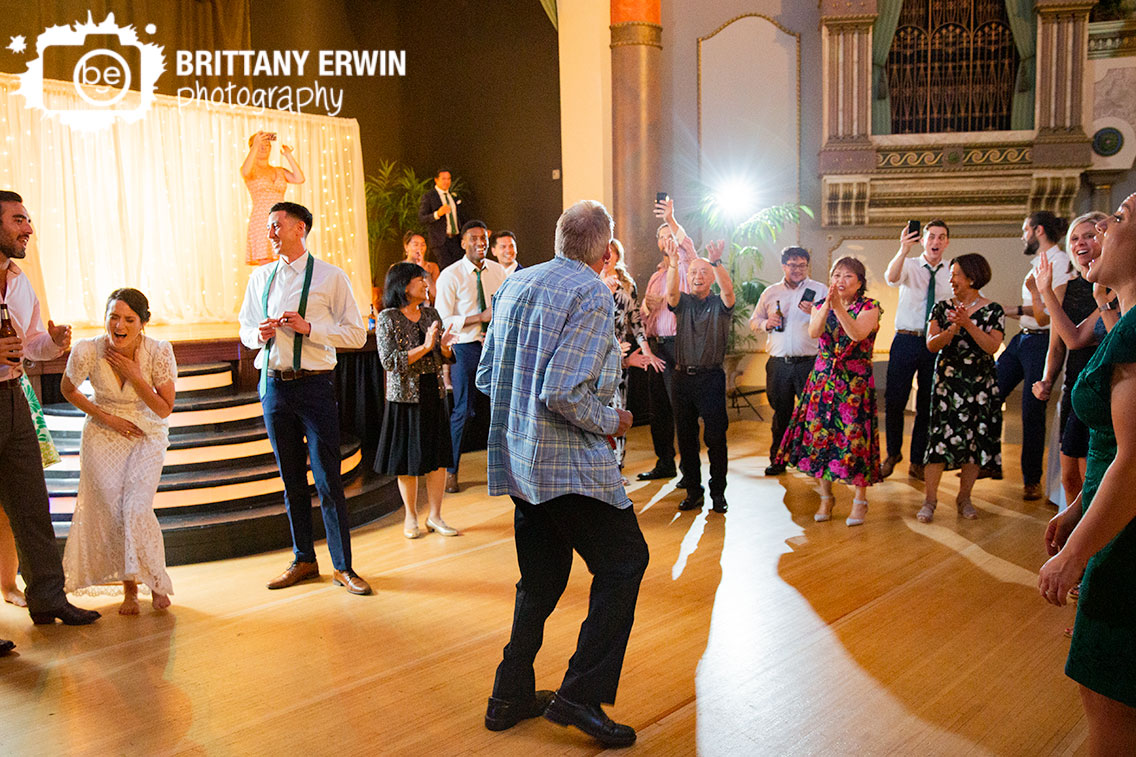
x=1023 y=23
x=883 y=32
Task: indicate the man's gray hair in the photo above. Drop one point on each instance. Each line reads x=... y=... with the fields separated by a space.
x=583 y=232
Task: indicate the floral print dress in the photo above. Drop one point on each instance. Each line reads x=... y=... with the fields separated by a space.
x=966 y=410
x=833 y=432
x=628 y=328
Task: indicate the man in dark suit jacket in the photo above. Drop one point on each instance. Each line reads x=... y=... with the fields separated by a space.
x=438 y=211
x=503 y=245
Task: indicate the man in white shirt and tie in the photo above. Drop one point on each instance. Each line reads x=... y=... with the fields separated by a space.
x=297 y=311
x=1024 y=357
x=465 y=302
x=783 y=312
x=922 y=281
x=438 y=211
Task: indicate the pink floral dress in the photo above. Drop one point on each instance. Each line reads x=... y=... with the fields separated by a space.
x=265 y=191
x=833 y=433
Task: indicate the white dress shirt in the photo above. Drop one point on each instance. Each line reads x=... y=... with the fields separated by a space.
x=23 y=307
x=911 y=309
x=448 y=199
x=794 y=341
x=457 y=295
x=1061 y=275
x=510 y=269
x=331 y=310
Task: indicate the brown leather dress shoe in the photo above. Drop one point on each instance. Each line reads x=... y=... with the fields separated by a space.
x=1032 y=492
x=889 y=464
x=354 y=584
x=452 y=483
x=297 y=571
x=915 y=471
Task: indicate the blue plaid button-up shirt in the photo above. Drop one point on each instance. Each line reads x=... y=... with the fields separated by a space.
x=550 y=365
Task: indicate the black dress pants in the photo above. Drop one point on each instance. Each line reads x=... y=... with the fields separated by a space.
x=908 y=359
x=785 y=379
x=609 y=540
x=702 y=395
x=660 y=387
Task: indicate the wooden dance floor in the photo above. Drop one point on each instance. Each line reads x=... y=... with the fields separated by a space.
x=757 y=633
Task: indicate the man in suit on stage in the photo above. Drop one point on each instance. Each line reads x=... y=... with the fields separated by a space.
x=438 y=212
x=503 y=245
x=297 y=311
x=550 y=367
x=23 y=492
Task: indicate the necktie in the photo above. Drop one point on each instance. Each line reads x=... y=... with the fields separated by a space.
x=930 y=293
x=481 y=300
x=452 y=216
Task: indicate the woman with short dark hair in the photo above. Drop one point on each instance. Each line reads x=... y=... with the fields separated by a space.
x=965 y=428
x=415 y=438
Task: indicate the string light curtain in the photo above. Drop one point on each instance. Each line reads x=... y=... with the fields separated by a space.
x=160 y=204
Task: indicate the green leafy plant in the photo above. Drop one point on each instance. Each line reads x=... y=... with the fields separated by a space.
x=747 y=243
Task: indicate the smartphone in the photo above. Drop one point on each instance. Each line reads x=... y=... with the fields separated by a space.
x=271 y=136
x=912 y=227
x=809 y=295
x=660 y=196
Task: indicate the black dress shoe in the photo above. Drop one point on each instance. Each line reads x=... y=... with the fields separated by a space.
x=503 y=714
x=657 y=472
x=775 y=470
x=590 y=719
x=68 y=613
x=6 y=646
x=692 y=502
x=719 y=504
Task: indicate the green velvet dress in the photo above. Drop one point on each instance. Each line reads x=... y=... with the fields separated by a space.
x=1102 y=656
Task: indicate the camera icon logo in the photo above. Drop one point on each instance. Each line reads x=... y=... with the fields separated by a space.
x=112 y=74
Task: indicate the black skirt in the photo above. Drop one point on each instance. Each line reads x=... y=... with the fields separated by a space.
x=415 y=439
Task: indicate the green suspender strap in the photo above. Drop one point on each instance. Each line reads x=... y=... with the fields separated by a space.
x=298 y=344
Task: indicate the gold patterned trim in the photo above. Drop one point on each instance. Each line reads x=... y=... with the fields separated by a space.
x=955 y=157
x=1112 y=39
x=635 y=33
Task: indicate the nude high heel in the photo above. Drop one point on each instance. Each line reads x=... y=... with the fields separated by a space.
x=851 y=520
x=821 y=517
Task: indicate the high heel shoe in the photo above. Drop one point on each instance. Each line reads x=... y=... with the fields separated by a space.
x=412 y=533
x=927 y=512
x=853 y=521
x=820 y=517
x=441 y=527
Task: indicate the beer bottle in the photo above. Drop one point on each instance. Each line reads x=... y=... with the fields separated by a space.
x=371 y=321
x=780 y=327
x=7 y=330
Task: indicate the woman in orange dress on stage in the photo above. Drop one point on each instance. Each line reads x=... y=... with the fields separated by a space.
x=266 y=184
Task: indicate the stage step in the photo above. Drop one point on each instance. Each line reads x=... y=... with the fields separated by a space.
x=206 y=399
x=227 y=434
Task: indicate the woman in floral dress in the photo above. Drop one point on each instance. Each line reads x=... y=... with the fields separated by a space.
x=965 y=427
x=833 y=434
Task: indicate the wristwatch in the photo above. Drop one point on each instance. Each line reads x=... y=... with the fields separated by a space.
x=716 y=263
x=1110 y=305
x=1019 y=309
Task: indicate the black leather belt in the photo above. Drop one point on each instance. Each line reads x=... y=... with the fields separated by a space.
x=291 y=375
x=663 y=339
x=909 y=332
x=691 y=370
x=1034 y=332
x=796 y=358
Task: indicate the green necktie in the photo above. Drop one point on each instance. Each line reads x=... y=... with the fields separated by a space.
x=930 y=294
x=451 y=217
x=481 y=299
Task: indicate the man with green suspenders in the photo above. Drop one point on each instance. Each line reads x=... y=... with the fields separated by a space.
x=297 y=311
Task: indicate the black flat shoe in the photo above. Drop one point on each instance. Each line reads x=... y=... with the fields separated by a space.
x=692 y=502
x=6 y=646
x=656 y=473
x=775 y=470
x=719 y=505
x=68 y=613
x=503 y=714
x=591 y=719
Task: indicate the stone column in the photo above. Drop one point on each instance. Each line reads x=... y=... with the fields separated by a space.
x=636 y=48
x=1062 y=52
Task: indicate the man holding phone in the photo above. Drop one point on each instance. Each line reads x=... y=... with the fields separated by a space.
x=922 y=281
x=783 y=312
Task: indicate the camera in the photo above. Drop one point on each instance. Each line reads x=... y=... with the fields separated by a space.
x=102 y=69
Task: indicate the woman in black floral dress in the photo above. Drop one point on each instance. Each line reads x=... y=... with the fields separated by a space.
x=965 y=428
x=628 y=327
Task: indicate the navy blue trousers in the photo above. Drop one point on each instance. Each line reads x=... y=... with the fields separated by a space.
x=908 y=359
x=1024 y=361
x=463 y=376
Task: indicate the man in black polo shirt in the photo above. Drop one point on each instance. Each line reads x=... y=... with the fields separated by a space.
x=703 y=324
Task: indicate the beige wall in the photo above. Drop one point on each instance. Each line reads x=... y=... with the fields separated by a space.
x=585 y=100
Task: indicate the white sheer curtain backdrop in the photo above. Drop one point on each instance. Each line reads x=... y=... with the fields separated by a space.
x=160 y=205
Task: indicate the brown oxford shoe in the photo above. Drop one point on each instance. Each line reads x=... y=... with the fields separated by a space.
x=889 y=464
x=351 y=580
x=1031 y=492
x=452 y=483
x=297 y=571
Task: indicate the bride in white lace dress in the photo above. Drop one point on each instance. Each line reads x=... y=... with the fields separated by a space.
x=115 y=536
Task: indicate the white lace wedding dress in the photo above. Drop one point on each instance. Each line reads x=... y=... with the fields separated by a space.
x=115 y=535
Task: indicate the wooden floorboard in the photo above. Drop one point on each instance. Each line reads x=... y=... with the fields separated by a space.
x=757 y=633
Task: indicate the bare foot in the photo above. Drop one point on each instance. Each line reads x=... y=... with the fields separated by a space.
x=160 y=601
x=129 y=605
x=14 y=596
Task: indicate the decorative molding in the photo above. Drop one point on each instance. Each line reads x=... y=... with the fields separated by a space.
x=845 y=200
x=954 y=157
x=634 y=33
x=1112 y=39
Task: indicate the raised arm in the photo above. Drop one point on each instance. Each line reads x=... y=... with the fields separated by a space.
x=293 y=174
x=721 y=275
x=895 y=267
